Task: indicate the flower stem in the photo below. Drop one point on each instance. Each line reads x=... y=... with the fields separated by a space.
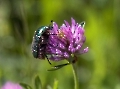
x=75 y=76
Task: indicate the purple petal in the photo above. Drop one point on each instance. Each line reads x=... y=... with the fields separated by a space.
x=10 y=85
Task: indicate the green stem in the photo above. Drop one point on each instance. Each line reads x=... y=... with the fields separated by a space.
x=75 y=76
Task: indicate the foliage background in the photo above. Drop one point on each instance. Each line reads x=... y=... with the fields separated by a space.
x=98 y=69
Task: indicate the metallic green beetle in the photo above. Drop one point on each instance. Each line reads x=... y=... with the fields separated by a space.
x=39 y=42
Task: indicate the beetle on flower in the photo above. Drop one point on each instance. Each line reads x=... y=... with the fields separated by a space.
x=59 y=43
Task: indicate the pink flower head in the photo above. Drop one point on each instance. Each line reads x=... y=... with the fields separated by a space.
x=67 y=42
x=10 y=85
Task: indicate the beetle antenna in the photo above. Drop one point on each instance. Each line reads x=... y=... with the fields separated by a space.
x=50 y=25
x=51 y=21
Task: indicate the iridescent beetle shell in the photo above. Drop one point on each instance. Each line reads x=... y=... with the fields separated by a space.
x=39 y=42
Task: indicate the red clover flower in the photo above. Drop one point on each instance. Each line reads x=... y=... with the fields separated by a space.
x=67 y=42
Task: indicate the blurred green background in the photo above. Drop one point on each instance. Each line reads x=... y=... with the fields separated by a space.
x=97 y=69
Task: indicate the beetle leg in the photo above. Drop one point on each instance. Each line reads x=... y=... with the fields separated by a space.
x=62 y=65
x=48 y=60
x=58 y=66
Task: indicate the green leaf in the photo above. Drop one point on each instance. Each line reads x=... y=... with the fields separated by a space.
x=38 y=84
x=55 y=86
x=26 y=86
